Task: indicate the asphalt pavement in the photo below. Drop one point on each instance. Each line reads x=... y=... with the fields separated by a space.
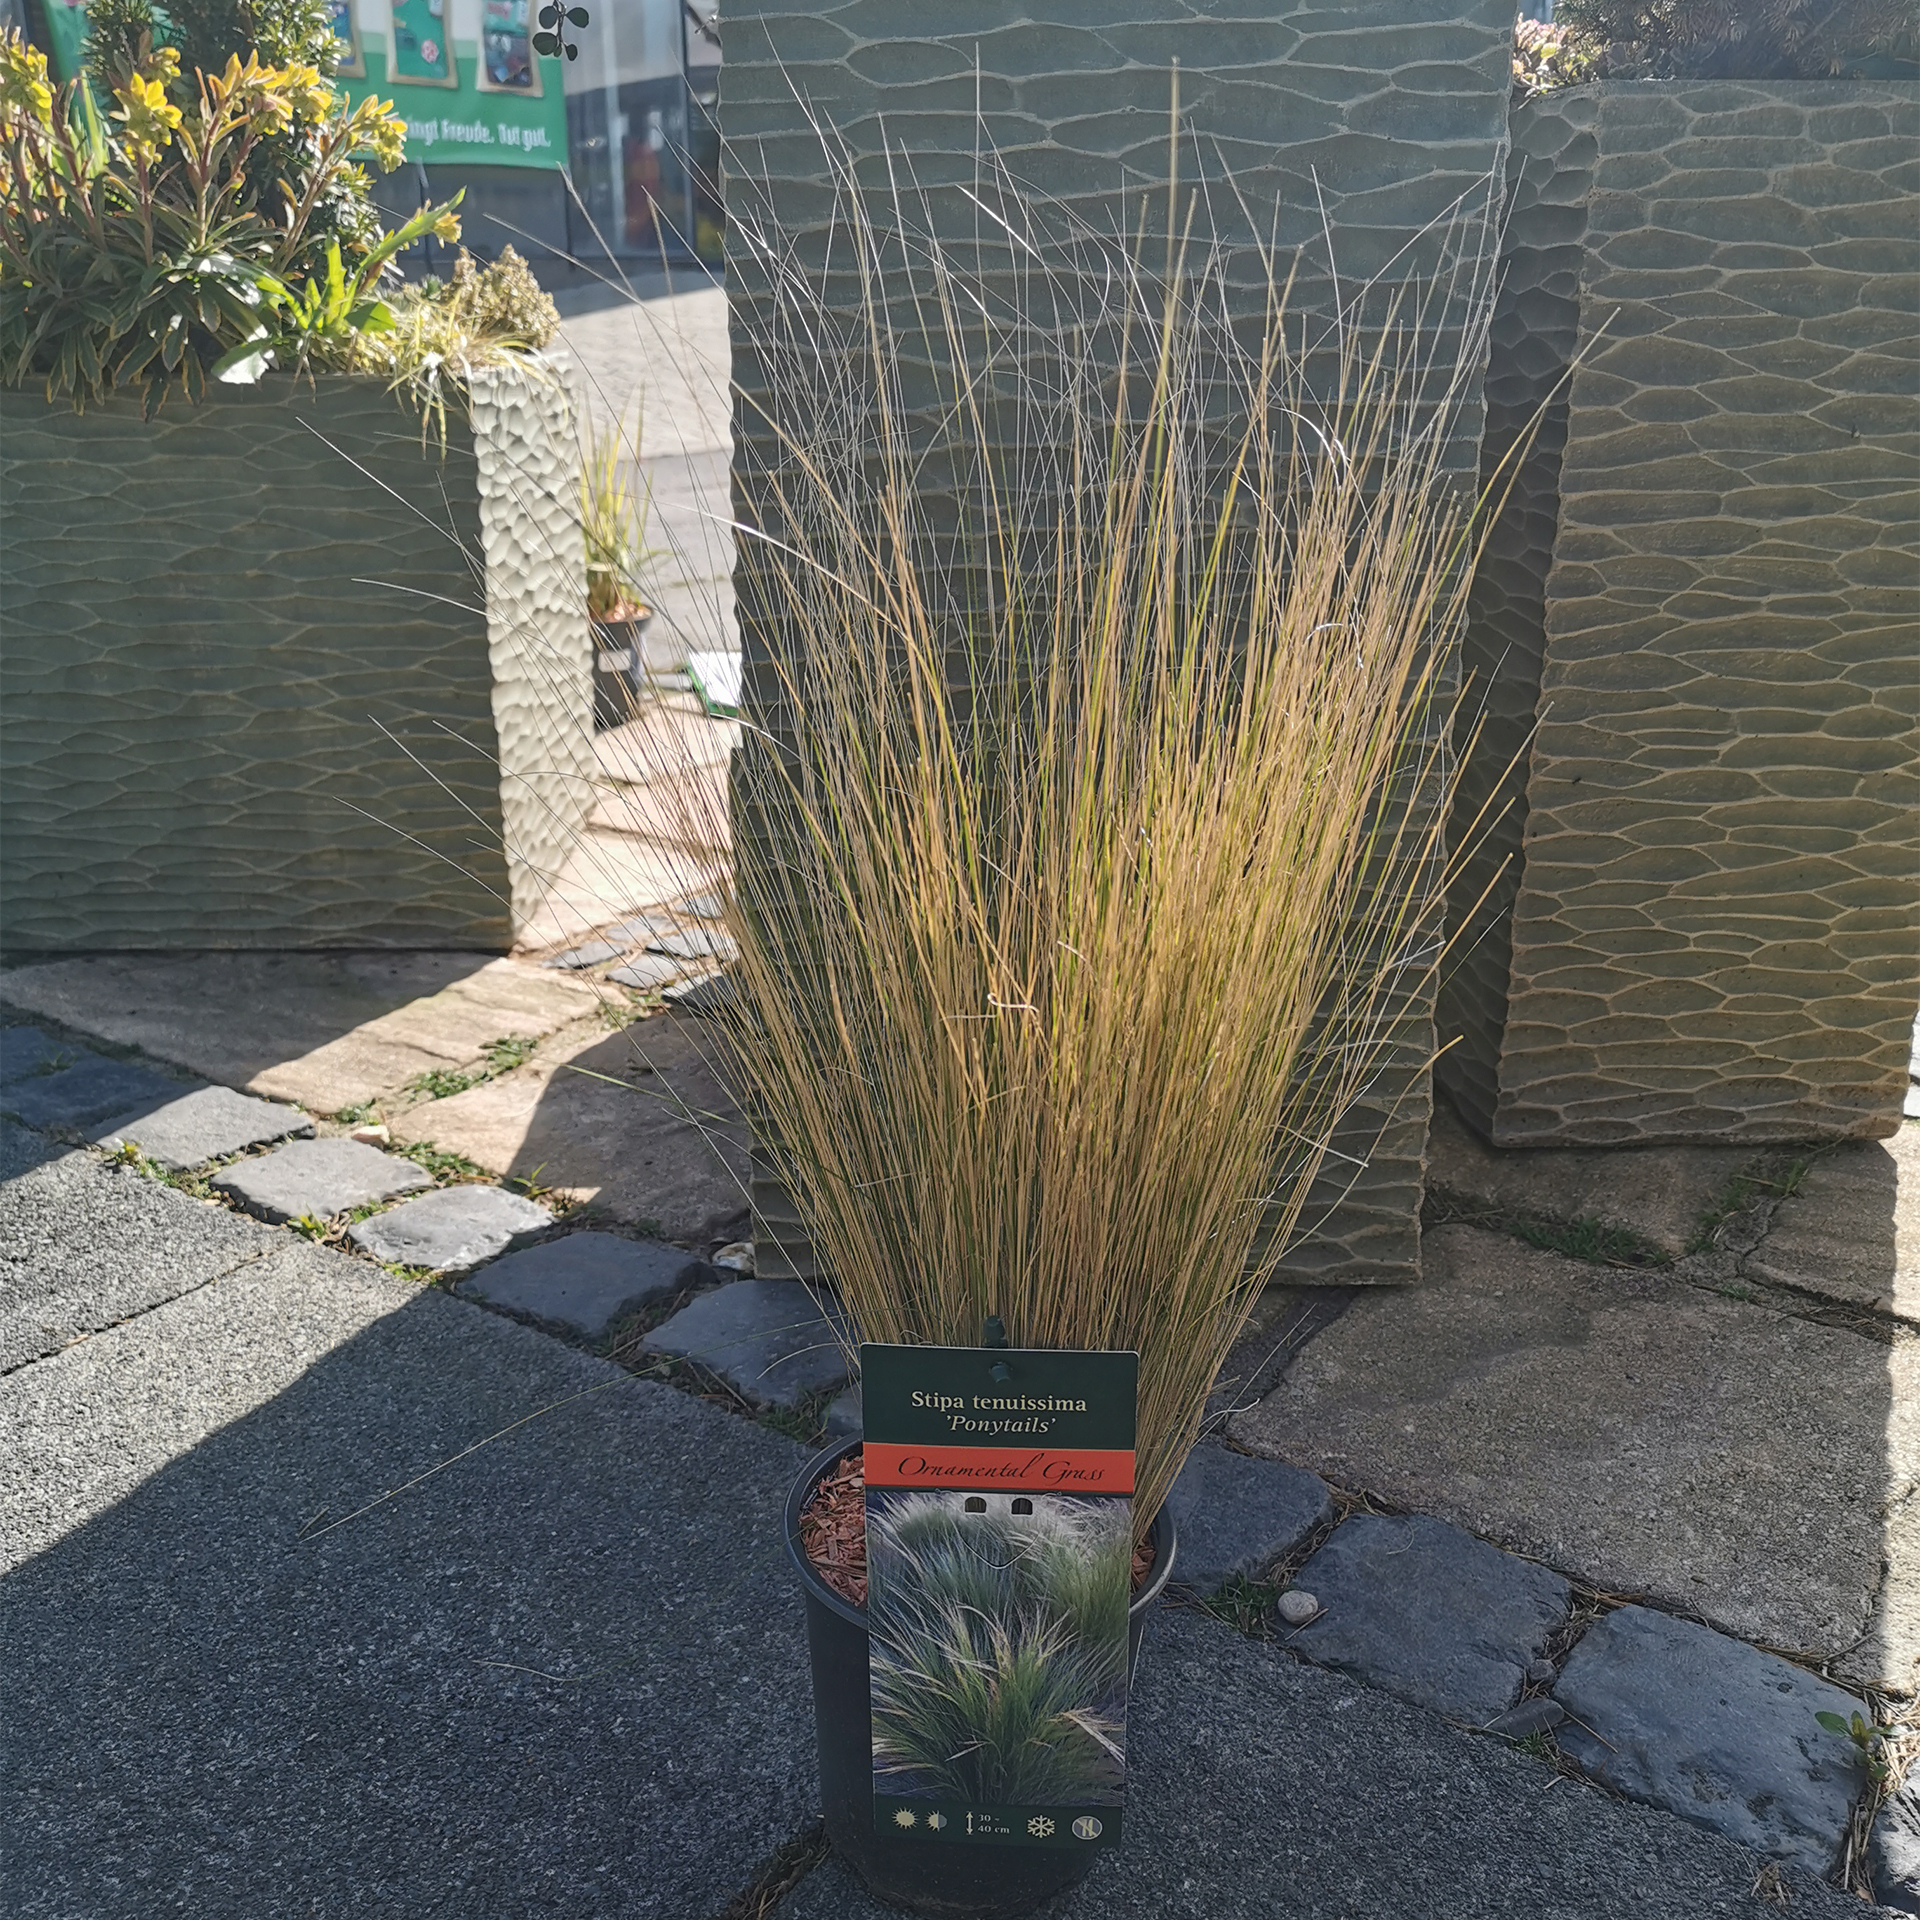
x=328 y=1594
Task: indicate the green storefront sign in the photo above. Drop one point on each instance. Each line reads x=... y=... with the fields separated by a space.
x=469 y=98
x=489 y=100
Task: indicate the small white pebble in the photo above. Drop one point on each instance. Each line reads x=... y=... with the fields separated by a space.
x=1297 y=1608
x=736 y=1258
x=372 y=1136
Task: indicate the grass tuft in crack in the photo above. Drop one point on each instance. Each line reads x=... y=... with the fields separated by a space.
x=1585 y=1238
x=449 y=1168
x=499 y=1056
x=1740 y=1193
x=1245 y=1605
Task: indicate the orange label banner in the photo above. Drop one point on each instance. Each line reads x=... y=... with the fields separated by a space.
x=999 y=1469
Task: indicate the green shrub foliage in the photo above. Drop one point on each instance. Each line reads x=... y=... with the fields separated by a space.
x=1734 y=39
x=143 y=245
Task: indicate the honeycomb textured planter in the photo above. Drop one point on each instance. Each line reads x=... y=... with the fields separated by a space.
x=276 y=673
x=1703 y=602
x=1364 y=122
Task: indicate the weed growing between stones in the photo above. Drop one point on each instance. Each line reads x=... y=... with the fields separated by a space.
x=448 y=1169
x=509 y=1051
x=499 y=1056
x=442 y=1083
x=1743 y=1192
x=1590 y=1239
x=620 y=1008
x=1585 y=1238
x=1245 y=1605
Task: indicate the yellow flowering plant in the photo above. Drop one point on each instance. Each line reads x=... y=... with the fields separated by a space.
x=142 y=245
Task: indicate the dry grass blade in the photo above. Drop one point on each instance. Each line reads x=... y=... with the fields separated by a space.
x=1088 y=829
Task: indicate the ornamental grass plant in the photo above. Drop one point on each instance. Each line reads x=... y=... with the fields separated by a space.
x=1083 y=851
x=1089 y=811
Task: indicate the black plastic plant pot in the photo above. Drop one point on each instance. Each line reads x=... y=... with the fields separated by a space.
x=619 y=670
x=944 y=1882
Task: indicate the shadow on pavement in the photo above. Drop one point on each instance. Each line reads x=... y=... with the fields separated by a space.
x=563 y=1676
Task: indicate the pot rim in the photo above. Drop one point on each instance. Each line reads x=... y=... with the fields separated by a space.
x=1163 y=1534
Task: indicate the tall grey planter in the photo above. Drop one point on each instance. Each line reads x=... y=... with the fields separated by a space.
x=280 y=671
x=1377 y=118
x=1699 y=626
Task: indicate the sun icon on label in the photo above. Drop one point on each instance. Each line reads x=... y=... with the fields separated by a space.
x=936 y=1821
x=903 y=1816
x=1039 y=1826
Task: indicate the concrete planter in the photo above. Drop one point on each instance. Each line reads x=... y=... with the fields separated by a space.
x=1698 y=625
x=1383 y=115
x=276 y=674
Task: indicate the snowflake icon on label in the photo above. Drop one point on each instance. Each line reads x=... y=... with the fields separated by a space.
x=1039 y=1826
x=903 y=1816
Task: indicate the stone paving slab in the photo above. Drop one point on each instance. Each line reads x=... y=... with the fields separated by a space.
x=637 y=1122
x=1263 y=1789
x=590 y=953
x=1888 y=1652
x=452 y=1230
x=320 y=1178
x=696 y=943
x=1428 y=1613
x=1893 y=1851
x=1237 y=1515
x=1650 y=1437
x=564 y=1676
x=646 y=972
x=1851 y=1229
x=766 y=1338
x=1672 y=1713
x=24 y=1051
x=1660 y=1194
x=203 y=1126
x=324 y=1030
x=584 y=1281
x=85 y=1093
x=604 y=875
x=84 y=1245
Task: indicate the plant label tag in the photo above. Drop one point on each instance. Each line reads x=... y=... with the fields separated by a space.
x=999 y=1510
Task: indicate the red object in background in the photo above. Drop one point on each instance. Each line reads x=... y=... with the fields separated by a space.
x=642 y=167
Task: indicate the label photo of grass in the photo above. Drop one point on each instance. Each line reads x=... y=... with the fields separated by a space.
x=998 y=1628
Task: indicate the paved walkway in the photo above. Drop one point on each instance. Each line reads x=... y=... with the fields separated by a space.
x=620 y=1115
x=327 y=1593
x=286 y=1646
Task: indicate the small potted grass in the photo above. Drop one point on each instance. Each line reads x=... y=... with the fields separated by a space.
x=613 y=518
x=1078 y=870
